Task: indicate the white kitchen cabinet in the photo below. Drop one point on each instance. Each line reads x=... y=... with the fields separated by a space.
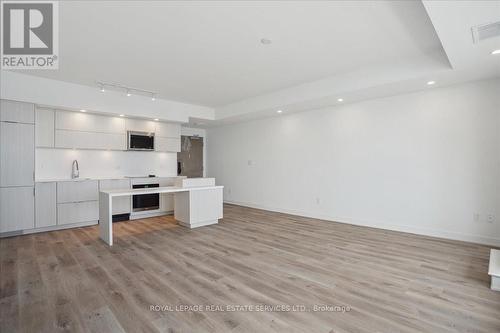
x=168 y=130
x=17 y=154
x=206 y=205
x=121 y=205
x=16 y=208
x=44 y=128
x=17 y=112
x=45 y=205
x=198 y=208
x=166 y=202
x=76 y=191
x=77 y=212
x=140 y=125
x=167 y=144
x=167 y=199
x=90 y=140
x=86 y=122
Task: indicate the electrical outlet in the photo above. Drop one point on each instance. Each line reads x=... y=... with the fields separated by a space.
x=491 y=218
x=476 y=217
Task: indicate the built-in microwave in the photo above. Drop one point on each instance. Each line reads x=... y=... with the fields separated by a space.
x=141 y=141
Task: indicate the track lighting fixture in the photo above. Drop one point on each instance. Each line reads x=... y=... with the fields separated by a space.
x=128 y=90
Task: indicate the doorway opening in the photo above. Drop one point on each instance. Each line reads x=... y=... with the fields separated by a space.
x=190 y=159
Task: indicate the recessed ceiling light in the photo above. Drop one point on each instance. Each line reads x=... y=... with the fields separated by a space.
x=83 y=110
x=102 y=89
x=156 y=119
x=122 y=115
x=266 y=41
x=128 y=93
x=430 y=83
x=153 y=98
x=279 y=111
x=340 y=99
x=495 y=52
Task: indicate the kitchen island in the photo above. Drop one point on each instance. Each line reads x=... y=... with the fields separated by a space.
x=197 y=203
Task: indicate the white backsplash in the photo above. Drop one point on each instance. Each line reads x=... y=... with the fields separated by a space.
x=56 y=163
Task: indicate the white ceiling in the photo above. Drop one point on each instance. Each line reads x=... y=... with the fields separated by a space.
x=209 y=53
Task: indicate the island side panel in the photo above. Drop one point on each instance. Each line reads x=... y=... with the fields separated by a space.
x=182 y=207
x=205 y=207
x=106 y=218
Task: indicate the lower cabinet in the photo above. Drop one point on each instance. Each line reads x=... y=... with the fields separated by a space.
x=45 y=205
x=77 y=191
x=17 y=208
x=121 y=205
x=167 y=199
x=77 y=212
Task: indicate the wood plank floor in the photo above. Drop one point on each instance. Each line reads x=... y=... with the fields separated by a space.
x=70 y=281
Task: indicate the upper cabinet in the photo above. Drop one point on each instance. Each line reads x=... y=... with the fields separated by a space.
x=172 y=145
x=168 y=137
x=89 y=131
x=79 y=130
x=140 y=125
x=17 y=112
x=168 y=130
x=79 y=121
x=90 y=140
x=44 y=127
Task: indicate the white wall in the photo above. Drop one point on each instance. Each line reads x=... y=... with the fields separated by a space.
x=56 y=163
x=424 y=162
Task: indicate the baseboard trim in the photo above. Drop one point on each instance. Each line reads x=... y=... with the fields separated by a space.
x=45 y=229
x=490 y=241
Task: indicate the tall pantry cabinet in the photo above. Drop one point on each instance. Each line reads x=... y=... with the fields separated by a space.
x=17 y=166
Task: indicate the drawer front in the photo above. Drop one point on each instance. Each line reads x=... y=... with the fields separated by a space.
x=77 y=212
x=76 y=191
x=121 y=205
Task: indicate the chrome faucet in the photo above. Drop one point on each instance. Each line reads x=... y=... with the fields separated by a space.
x=75 y=170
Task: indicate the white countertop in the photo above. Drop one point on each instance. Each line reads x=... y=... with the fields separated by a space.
x=164 y=189
x=51 y=180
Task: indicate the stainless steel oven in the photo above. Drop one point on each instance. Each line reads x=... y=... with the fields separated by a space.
x=141 y=202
